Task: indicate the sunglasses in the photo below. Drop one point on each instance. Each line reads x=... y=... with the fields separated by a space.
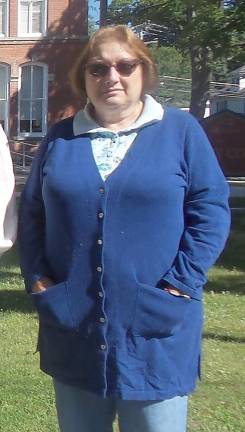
x=124 y=68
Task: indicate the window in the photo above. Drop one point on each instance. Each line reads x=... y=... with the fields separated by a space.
x=3 y=17
x=4 y=84
x=32 y=17
x=33 y=100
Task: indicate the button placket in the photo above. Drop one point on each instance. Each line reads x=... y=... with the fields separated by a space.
x=101 y=316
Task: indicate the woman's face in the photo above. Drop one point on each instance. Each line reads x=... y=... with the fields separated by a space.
x=110 y=89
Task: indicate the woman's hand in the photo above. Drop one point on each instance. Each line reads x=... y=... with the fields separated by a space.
x=42 y=284
x=175 y=292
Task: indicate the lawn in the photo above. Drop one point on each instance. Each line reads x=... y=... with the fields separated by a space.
x=26 y=397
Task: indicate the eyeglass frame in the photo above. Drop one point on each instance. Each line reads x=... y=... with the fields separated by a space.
x=107 y=66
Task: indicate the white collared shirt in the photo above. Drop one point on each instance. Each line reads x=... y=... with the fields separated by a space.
x=8 y=217
x=109 y=148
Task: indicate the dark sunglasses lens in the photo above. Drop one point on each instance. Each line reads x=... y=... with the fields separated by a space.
x=98 y=69
x=126 y=68
x=101 y=69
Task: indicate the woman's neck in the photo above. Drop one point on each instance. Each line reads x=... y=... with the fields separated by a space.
x=116 y=121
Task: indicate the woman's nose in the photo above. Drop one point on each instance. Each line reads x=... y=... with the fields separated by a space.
x=112 y=74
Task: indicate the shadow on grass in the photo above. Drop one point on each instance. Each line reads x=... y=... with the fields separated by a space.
x=223 y=338
x=232 y=258
x=10 y=258
x=233 y=283
x=233 y=254
x=15 y=301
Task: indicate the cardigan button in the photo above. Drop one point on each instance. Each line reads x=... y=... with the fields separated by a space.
x=99 y=269
x=101 y=215
x=100 y=241
x=102 y=190
x=102 y=320
x=103 y=347
x=100 y=294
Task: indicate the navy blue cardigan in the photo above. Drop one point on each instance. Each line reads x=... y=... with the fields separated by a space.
x=161 y=217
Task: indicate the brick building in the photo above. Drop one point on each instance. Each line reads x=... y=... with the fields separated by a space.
x=39 y=40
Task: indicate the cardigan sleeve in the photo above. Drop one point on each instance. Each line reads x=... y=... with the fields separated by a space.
x=206 y=214
x=31 y=231
x=8 y=218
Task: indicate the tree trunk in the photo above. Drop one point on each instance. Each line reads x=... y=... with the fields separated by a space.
x=103 y=12
x=201 y=74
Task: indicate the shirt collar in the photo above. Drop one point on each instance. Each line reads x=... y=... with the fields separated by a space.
x=83 y=122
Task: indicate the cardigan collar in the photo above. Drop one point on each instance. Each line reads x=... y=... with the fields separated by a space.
x=152 y=112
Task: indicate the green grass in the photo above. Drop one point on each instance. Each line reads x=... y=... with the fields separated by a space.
x=26 y=396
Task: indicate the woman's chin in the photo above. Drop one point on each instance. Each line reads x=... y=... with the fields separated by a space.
x=112 y=101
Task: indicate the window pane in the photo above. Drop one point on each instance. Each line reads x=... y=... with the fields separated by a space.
x=25 y=116
x=3 y=12
x=25 y=90
x=24 y=17
x=37 y=116
x=32 y=99
x=2 y=17
x=37 y=82
x=37 y=17
x=3 y=83
x=2 y=110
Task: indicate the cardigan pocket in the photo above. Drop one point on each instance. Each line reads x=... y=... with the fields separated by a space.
x=158 y=313
x=53 y=306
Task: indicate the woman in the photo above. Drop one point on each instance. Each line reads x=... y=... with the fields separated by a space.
x=124 y=212
x=8 y=218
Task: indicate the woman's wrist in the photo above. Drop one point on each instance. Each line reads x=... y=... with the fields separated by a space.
x=174 y=291
x=42 y=284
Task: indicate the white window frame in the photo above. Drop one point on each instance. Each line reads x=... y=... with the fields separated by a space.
x=44 y=21
x=6 y=114
x=2 y=35
x=44 y=100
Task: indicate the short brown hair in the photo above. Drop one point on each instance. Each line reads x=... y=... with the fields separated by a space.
x=122 y=34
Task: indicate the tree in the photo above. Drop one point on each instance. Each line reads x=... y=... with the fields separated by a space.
x=92 y=25
x=171 y=61
x=208 y=30
x=103 y=12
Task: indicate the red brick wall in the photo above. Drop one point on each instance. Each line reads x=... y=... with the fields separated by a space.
x=13 y=17
x=226 y=132
x=59 y=57
x=67 y=17
x=64 y=17
x=67 y=29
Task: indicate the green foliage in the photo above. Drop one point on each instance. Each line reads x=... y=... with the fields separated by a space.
x=211 y=31
x=202 y=22
x=171 y=61
x=92 y=26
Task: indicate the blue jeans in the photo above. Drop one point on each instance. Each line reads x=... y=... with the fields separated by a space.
x=81 y=411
